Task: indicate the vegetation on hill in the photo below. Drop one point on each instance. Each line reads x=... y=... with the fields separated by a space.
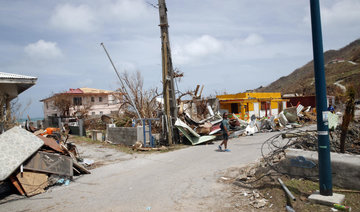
x=342 y=69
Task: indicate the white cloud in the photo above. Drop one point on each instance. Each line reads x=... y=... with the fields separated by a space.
x=253 y=39
x=199 y=48
x=73 y=18
x=93 y=15
x=43 y=50
x=342 y=12
x=125 y=9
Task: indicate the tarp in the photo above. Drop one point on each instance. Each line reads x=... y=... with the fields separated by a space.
x=190 y=134
x=16 y=146
x=333 y=120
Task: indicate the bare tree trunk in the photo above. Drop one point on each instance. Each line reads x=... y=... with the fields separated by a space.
x=349 y=114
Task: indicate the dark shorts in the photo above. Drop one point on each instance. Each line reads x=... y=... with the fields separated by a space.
x=225 y=136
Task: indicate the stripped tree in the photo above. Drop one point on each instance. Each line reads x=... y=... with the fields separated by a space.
x=348 y=116
x=66 y=106
x=144 y=99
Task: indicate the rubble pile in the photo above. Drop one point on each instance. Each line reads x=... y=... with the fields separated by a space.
x=201 y=117
x=197 y=120
x=352 y=142
x=32 y=160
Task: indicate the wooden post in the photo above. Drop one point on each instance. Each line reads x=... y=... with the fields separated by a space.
x=166 y=90
x=8 y=109
x=168 y=74
x=2 y=101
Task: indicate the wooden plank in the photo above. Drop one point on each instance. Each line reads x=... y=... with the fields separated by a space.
x=80 y=168
x=17 y=185
x=33 y=183
x=50 y=163
x=51 y=143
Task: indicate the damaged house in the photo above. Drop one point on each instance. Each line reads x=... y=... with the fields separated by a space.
x=11 y=85
x=244 y=105
x=81 y=102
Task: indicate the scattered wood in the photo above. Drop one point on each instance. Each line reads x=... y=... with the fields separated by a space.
x=151 y=148
x=80 y=168
x=346 y=191
x=17 y=185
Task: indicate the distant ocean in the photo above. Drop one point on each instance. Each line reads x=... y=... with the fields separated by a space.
x=32 y=119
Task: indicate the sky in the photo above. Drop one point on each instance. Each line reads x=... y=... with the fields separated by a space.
x=226 y=45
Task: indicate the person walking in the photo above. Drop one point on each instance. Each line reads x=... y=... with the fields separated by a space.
x=225 y=131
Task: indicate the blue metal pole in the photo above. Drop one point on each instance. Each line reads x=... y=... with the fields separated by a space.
x=150 y=135
x=144 y=130
x=325 y=178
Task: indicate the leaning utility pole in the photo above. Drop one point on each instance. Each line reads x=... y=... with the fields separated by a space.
x=170 y=108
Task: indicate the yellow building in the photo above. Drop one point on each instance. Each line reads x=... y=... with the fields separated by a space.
x=244 y=105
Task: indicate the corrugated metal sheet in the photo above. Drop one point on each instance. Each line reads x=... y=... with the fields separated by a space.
x=4 y=75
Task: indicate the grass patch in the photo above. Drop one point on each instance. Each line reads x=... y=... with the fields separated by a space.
x=123 y=148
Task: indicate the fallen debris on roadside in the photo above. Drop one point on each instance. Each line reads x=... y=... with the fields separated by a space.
x=32 y=162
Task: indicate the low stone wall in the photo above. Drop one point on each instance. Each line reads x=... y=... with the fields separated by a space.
x=126 y=135
x=75 y=130
x=345 y=167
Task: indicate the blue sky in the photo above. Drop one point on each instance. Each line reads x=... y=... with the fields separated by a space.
x=229 y=45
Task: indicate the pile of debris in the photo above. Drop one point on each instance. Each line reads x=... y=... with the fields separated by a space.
x=33 y=161
x=199 y=120
x=292 y=117
x=309 y=140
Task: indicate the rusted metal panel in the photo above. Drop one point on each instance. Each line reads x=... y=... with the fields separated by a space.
x=50 y=142
x=50 y=163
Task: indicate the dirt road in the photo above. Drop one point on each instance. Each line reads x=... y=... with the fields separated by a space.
x=182 y=180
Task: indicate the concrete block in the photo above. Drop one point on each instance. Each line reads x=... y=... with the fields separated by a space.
x=126 y=135
x=345 y=167
x=327 y=200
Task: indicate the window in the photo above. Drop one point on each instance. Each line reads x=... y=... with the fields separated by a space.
x=101 y=112
x=77 y=101
x=234 y=107
x=280 y=106
x=93 y=113
x=265 y=105
x=100 y=99
x=92 y=99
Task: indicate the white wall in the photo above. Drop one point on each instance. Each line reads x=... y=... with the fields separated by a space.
x=256 y=109
x=274 y=112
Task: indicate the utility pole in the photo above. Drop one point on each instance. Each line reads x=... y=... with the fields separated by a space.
x=325 y=178
x=170 y=108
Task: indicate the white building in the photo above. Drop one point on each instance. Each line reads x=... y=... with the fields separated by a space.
x=93 y=102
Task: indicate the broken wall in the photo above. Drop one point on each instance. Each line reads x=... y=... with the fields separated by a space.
x=126 y=135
